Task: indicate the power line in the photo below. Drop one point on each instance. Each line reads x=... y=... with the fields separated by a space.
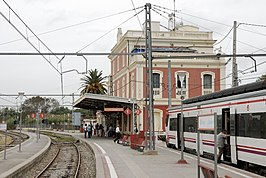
x=216 y=23
x=137 y=15
x=73 y=25
x=180 y=12
x=109 y=31
x=223 y=37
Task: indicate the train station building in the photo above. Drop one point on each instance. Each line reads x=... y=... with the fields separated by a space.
x=127 y=81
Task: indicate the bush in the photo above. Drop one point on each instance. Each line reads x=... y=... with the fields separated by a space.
x=162 y=137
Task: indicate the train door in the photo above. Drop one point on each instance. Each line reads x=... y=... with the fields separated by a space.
x=226 y=126
x=178 y=142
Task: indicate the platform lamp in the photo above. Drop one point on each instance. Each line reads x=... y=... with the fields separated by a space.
x=20 y=95
x=182 y=76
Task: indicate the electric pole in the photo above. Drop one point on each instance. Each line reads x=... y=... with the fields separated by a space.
x=234 y=64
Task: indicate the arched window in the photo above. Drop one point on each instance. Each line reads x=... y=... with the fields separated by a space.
x=182 y=90
x=207 y=78
x=156 y=80
x=207 y=81
x=178 y=81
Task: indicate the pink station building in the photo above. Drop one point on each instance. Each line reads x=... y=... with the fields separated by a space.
x=128 y=72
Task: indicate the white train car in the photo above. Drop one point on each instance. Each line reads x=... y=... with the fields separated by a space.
x=240 y=110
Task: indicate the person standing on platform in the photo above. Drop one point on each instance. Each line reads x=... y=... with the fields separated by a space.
x=221 y=143
x=89 y=131
x=117 y=134
x=85 y=130
x=97 y=129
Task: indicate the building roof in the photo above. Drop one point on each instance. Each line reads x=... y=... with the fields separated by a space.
x=229 y=92
x=100 y=101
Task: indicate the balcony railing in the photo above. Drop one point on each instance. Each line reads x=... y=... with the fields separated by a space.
x=207 y=91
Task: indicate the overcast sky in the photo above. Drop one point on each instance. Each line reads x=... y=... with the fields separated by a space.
x=71 y=25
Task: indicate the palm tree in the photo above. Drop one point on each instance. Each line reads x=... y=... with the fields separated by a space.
x=93 y=82
x=262 y=78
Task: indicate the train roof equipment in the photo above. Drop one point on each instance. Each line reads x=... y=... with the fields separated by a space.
x=251 y=87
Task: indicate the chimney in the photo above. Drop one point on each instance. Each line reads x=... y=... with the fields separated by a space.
x=119 y=34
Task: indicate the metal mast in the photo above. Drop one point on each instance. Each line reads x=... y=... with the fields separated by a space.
x=234 y=64
x=150 y=75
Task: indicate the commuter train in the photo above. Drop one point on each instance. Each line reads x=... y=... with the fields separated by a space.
x=240 y=110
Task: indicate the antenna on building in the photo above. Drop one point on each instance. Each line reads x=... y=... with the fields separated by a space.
x=171 y=22
x=172 y=25
x=174 y=16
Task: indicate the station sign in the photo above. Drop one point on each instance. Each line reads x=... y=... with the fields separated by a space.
x=138 y=111
x=206 y=122
x=3 y=126
x=113 y=109
x=127 y=111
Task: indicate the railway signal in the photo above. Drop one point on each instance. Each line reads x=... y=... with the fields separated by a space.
x=138 y=111
x=127 y=111
x=32 y=115
x=42 y=115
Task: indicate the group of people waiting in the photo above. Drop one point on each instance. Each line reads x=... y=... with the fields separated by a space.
x=90 y=130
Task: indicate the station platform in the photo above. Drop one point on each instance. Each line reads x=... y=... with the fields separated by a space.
x=16 y=160
x=115 y=160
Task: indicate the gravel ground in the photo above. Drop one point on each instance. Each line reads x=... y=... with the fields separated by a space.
x=87 y=167
x=88 y=162
x=37 y=167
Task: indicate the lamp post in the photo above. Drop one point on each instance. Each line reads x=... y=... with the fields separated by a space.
x=20 y=94
x=182 y=76
x=133 y=115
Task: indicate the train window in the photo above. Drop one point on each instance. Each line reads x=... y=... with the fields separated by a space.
x=252 y=125
x=190 y=124
x=173 y=124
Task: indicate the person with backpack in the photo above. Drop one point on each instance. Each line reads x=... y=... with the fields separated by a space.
x=89 y=130
x=85 y=127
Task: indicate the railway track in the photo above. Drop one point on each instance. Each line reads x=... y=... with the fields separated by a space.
x=65 y=163
x=66 y=157
x=14 y=138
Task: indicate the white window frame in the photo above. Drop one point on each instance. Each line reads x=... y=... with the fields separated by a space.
x=185 y=89
x=118 y=88
x=123 y=87
x=117 y=63
x=157 y=92
x=132 y=84
x=123 y=60
x=208 y=90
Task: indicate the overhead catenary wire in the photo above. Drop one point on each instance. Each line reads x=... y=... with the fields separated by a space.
x=74 y=25
x=154 y=9
x=109 y=31
x=223 y=37
x=181 y=12
x=137 y=15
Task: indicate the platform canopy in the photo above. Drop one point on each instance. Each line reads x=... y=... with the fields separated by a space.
x=100 y=102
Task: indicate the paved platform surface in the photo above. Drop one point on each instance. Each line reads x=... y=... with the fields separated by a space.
x=115 y=160
x=30 y=149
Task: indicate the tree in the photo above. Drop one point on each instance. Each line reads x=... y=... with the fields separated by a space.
x=35 y=103
x=94 y=82
x=262 y=78
x=60 y=110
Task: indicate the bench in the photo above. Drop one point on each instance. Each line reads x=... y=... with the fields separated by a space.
x=209 y=172
x=140 y=145
x=123 y=139
x=127 y=141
